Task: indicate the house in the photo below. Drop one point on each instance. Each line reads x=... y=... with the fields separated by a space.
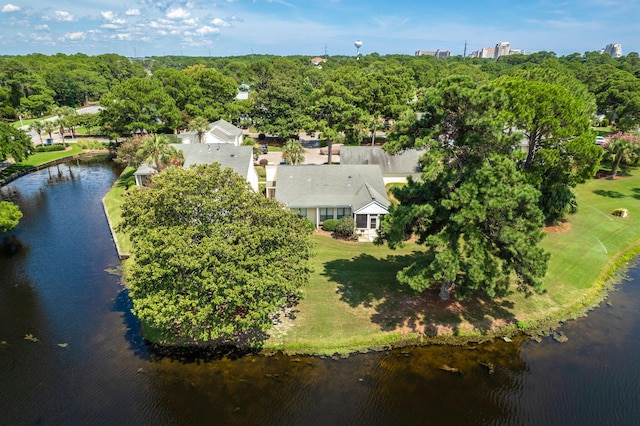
x=394 y=167
x=239 y=158
x=318 y=61
x=143 y=174
x=321 y=192
x=220 y=131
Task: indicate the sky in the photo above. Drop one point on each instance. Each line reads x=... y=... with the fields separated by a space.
x=313 y=27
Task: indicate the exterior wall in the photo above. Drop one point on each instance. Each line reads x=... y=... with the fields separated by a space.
x=252 y=176
x=367 y=225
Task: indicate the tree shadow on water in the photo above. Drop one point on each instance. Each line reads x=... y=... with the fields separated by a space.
x=146 y=350
x=369 y=282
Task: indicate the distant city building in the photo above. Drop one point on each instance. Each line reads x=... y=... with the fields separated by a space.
x=437 y=53
x=502 y=49
x=613 y=49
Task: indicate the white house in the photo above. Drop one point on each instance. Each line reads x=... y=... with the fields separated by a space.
x=220 y=131
x=239 y=158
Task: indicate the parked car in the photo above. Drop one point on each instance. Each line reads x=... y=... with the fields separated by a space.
x=600 y=140
x=264 y=149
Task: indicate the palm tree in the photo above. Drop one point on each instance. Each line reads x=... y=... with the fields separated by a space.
x=49 y=127
x=38 y=127
x=61 y=123
x=623 y=149
x=200 y=125
x=292 y=152
x=154 y=150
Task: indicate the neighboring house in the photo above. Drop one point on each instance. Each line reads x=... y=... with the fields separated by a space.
x=321 y=192
x=143 y=174
x=395 y=168
x=239 y=158
x=220 y=131
x=318 y=61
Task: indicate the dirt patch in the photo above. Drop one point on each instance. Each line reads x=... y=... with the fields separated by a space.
x=563 y=226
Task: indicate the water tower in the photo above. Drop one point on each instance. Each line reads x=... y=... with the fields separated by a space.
x=358 y=45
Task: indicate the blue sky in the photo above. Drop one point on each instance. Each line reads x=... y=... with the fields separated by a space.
x=311 y=27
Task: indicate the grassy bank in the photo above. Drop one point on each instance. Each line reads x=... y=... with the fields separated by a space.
x=38 y=159
x=354 y=303
x=112 y=204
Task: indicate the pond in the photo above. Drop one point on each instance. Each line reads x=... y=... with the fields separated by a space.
x=71 y=352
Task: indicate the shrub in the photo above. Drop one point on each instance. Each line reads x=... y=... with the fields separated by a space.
x=330 y=225
x=49 y=148
x=84 y=144
x=310 y=225
x=264 y=162
x=345 y=228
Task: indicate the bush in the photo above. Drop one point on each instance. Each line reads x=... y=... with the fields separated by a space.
x=50 y=148
x=310 y=225
x=329 y=225
x=84 y=144
x=345 y=228
x=264 y=162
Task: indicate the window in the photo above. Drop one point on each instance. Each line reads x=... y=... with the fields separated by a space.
x=373 y=222
x=361 y=221
x=325 y=213
x=342 y=212
x=301 y=212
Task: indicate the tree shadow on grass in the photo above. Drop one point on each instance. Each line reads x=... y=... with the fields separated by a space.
x=636 y=193
x=609 y=194
x=369 y=282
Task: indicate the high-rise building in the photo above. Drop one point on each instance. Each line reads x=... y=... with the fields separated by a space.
x=502 y=49
x=613 y=49
x=437 y=53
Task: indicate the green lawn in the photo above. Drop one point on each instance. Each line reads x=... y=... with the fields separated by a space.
x=38 y=159
x=113 y=204
x=353 y=301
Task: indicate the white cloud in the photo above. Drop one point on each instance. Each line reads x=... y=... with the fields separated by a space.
x=220 y=23
x=110 y=26
x=108 y=15
x=122 y=36
x=7 y=8
x=192 y=21
x=61 y=16
x=178 y=13
x=43 y=27
x=74 y=36
x=132 y=12
x=119 y=21
x=205 y=30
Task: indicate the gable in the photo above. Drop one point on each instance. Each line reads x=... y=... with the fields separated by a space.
x=308 y=186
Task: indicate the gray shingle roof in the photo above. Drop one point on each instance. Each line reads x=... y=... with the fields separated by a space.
x=226 y=127
x=402 y=164
x=236 y=157
x=308 y=186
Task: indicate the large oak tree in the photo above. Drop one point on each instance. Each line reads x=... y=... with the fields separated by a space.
x=214 y=262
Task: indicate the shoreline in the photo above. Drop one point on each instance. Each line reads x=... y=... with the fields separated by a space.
x=533 y=324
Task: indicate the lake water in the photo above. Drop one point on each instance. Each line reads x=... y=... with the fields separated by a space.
x=83 y=360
